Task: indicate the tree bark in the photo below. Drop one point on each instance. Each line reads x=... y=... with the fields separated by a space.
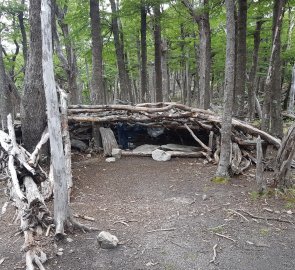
x=144 y=73
x=252 y=76
x=71 y=68
x=5 y=97
x=61 y=209
x=33 y=111
x=24 y=35
x=272 y=120
x=97 y=85
x=224 y=162
x=285 y=155
x=204 y=70
x=205 y=57
x=241 y=55
x=158 y=53
x=164 y=62
x=125 y=83
x=292 y=93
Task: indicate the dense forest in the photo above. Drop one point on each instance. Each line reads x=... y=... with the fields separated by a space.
x=156 y=50
x=225 y=67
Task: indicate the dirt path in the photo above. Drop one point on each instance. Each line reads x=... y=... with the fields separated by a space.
x=136 y=198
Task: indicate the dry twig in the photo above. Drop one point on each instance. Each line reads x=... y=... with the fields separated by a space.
x=214 y=254
x=265 y=218
x=162 y=230
x=226 y=237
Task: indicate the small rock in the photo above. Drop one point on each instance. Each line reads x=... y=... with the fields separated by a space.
x=88 y=155
x=107 y=240
x=204 y=197
x=289 y=212
x=160 y=155
x=116 y=153
x=69 y=240
x=71 y=251
x=110 y=159
x=59 y=253
x=61 y=249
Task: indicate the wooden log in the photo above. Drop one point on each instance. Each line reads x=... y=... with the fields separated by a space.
x=197 y=139
x=173 y=112
x=34 y=158
x=210 y=142
x=8 y=142
x=261 y=185
x=165 y=106
x=108 y=140
x=32 y=192
x=289 y=115
x=217 y=151
x=14 y=178
x=284 y=159
x=97 y=108
x=236 y=159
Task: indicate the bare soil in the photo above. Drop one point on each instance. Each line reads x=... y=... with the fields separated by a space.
x=167 y=216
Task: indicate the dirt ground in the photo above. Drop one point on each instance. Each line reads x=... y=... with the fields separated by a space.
x=167 y=216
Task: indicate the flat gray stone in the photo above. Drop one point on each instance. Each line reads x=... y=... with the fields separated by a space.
x=146 y=149
x=160 y=155
x=107 y=240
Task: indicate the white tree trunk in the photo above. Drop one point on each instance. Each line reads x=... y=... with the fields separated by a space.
x=61 y=211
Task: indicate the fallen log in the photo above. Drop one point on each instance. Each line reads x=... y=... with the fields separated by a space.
x=197 y=139
x=172 y=153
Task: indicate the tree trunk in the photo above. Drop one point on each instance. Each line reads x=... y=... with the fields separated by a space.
x=205 y=57
x=144 y=73
x=272 y=120
x=292 y=93
x=204 y=69
x=5 y=97
x=97 y=86
x=24 y=35
x=158 y=52
x=72 y=69
x=33 y=111
x=164 y=61
x=252 y=76
x=61 y=210
x=224 y=162
x=125 y=83
x=241 y=55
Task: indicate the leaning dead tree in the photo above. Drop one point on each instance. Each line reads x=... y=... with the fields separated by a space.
x=61 y=168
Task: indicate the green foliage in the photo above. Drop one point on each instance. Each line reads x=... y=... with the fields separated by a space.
x=178 y=29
